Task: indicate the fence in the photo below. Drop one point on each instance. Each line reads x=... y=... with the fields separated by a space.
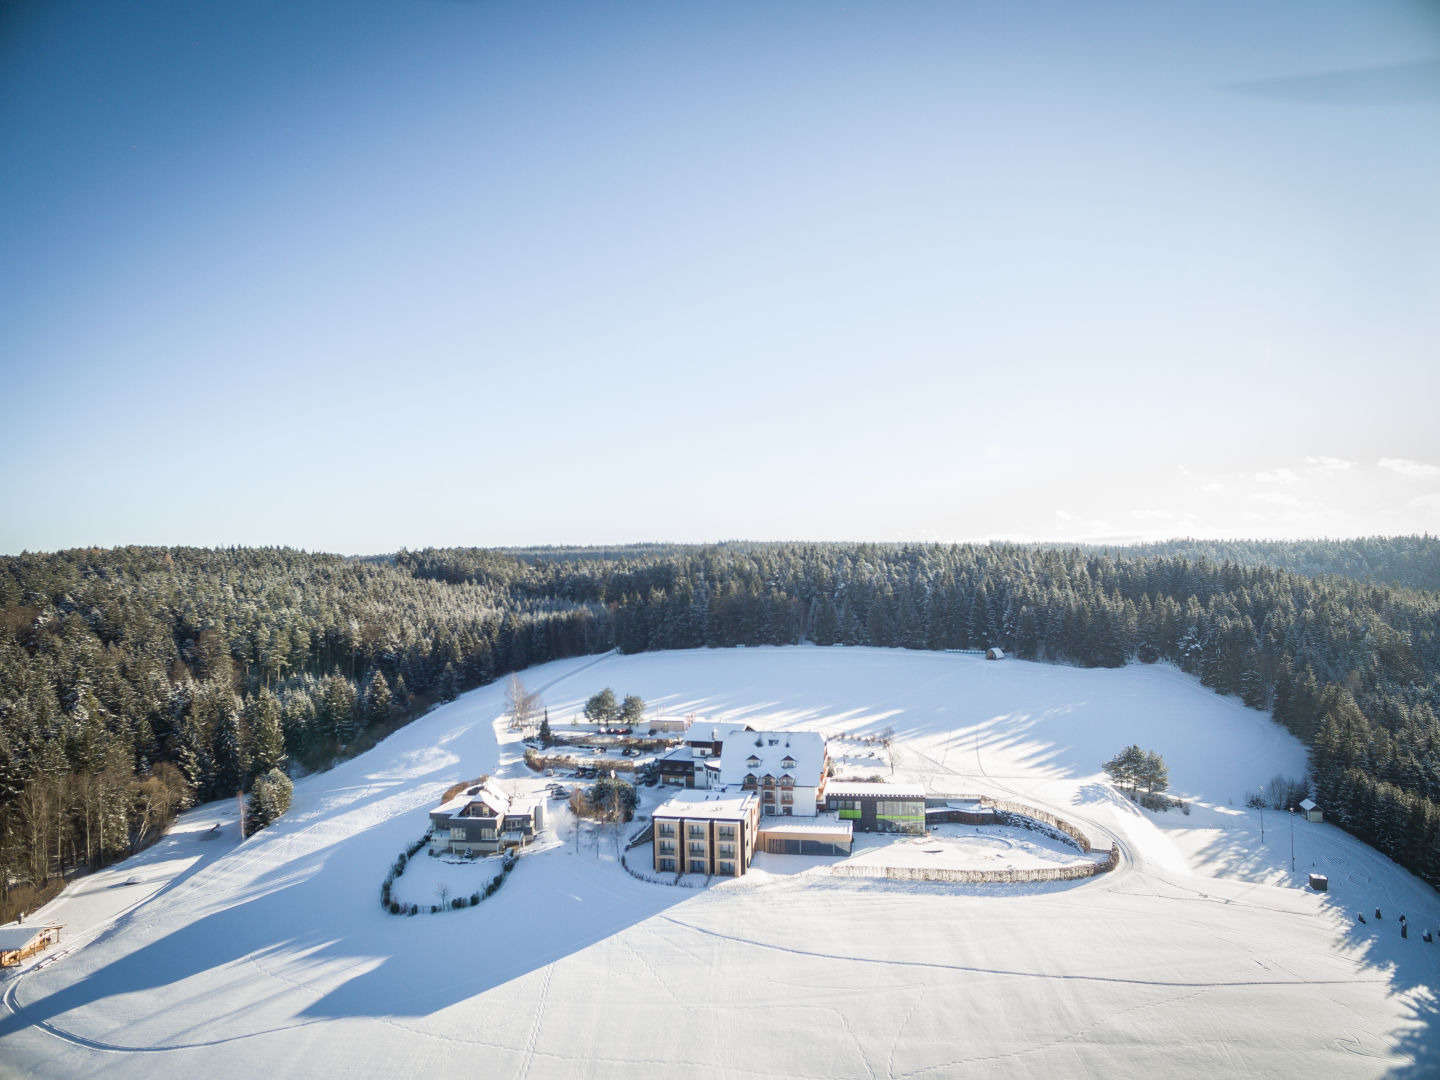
x=1033 y=814
x=980 y=877
x=656 y=879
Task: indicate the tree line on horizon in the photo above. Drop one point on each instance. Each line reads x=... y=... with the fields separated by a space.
x=135 y=681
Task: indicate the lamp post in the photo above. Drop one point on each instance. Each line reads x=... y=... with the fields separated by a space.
x=1292 y=840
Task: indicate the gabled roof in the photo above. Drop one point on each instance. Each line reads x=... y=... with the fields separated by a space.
x=702 y=732
x=805 y=749
x=1309 y=804
x=490 y=795
x=17 y=937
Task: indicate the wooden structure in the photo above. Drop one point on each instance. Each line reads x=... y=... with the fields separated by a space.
x=1312 y=811
x=18 y=942
x=1319 y=882
x=994 y=654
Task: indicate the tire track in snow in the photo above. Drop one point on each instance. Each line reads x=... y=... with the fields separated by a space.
x=937 y=965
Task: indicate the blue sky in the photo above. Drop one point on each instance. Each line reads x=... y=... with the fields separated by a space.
x=363 y=275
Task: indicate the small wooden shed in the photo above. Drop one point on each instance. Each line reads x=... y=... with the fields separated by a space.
x=1319 y=882
x=18 y=943
x=994 y=653
x=1311 y=810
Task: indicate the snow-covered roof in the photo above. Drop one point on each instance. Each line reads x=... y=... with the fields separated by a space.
x=800 y=754
x=680 y=753
x=489 y=794
x=699 y=803
x=17 y=937
x=1309 y=804
x=819 y=825
x=712 y=732
x=855 y=789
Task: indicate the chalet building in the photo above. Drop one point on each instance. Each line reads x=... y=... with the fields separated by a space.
x=995 y=654
x=786 y=769
x=874 y=807
x=1311 y=809
x=683 y=767
x=706 y=832
x=484 y=819
x=695 y=763
x=706 y=740
x=19 y=943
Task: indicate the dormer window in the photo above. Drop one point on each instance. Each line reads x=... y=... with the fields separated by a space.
x=789 y=762
x=774 y=742
x=753 y=762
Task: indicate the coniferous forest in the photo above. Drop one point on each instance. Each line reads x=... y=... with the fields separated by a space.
x=136 y=681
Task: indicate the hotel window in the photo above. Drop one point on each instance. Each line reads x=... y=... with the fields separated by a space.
x=725 y=832
x=667 y=864
x=696 y=832
x=727 y=851
x=667 y=847
x=697 y=851
x=727 y=868
x=666 y=828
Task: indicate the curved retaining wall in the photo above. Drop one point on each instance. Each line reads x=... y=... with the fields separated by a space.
x=1086 y=869
x=1044 y=817
x=981 y=877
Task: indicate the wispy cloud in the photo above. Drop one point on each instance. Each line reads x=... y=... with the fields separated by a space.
x=1426 y=502
x=1323 y=462
x=1277 y=476
x=1278 y=498
x=1409 y=467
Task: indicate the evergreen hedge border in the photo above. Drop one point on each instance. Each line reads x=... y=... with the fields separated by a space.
x=397 y=869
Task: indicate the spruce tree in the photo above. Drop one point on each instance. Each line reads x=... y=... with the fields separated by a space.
x=267 y=737
x=377 y=699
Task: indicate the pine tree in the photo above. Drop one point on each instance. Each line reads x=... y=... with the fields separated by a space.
x=269 y=798
x=339 y=708
x=267 y=737
x=601 y=708
x=377 y=699
x=232 y=751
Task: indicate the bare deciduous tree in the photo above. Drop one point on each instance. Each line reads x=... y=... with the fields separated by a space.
x=523 y=706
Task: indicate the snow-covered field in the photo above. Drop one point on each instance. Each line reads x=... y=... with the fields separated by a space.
x=1200 y=955
x=967 y=847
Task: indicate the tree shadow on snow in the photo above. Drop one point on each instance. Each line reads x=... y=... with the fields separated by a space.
x=554 y=904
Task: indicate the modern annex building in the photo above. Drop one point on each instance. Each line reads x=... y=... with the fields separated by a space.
x=878 y=807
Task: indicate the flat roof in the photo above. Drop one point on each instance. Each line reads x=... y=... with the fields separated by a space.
x=819 y=825
x=854 y=789
x=698 y=803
